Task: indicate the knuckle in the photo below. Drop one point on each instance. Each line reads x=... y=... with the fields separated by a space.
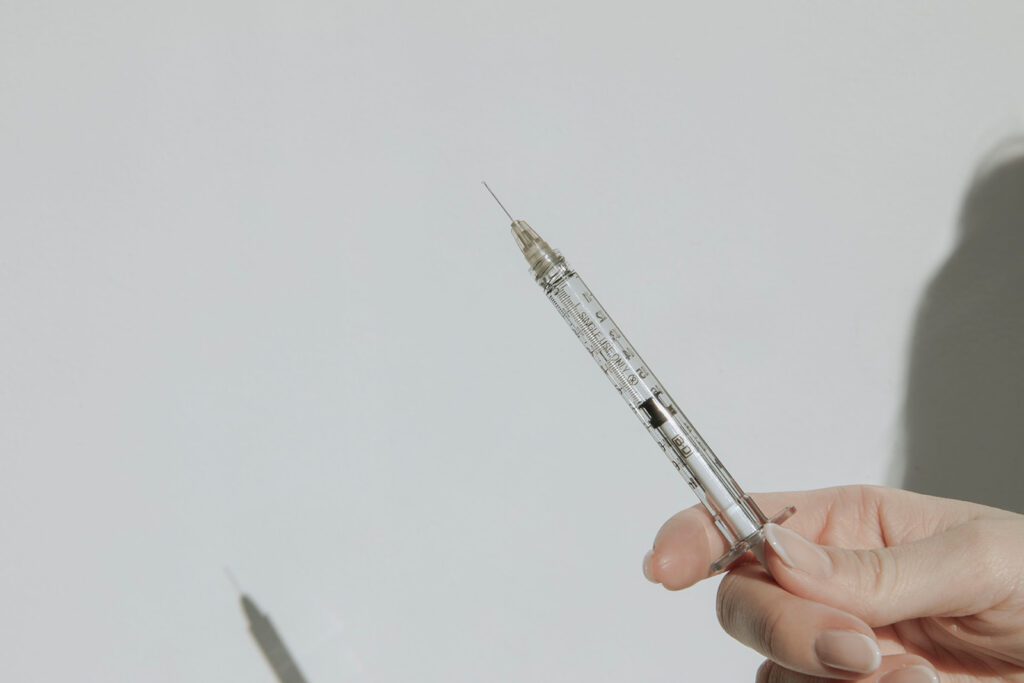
x=767 y=632
x=771 y=672
x=766 y=672
x=997 y=570
x=725 y=603
x=879 y=572
x=750 y=623
x=979 y=540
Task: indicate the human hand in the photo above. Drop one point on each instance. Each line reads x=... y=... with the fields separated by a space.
x=930 y=589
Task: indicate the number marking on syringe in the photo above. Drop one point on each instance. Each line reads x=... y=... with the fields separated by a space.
x=620 y=371
x=735 y=516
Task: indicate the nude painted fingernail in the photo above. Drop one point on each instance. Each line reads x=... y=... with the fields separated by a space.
x=797 y=552
x=848 y=650
x=647 y=566
x=912 y=674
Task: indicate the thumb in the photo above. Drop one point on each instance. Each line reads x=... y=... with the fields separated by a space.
x=942 y=575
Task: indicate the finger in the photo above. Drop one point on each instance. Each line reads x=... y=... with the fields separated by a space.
x=852 y=516
x=894 y=669
x=961 y=571
x=799 y=634
x=689 y=542
x=680 y=556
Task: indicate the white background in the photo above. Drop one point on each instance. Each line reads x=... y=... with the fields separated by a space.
x=258 y=312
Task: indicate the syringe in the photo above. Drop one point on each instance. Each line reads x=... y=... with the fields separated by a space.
x=736 y=515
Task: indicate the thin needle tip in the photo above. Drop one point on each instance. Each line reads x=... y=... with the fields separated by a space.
x=484 y=183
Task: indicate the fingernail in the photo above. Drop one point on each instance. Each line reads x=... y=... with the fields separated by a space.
x=912 y=674
x=647 y=566
x=848 y=650
x=797 y=552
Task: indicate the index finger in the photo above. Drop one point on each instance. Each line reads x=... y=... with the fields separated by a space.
x=847 y=516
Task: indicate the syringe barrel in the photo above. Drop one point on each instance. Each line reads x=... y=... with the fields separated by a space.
x=735 y=513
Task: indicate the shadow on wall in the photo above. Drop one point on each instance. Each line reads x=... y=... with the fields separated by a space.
x=964 y=411
x=270 y=643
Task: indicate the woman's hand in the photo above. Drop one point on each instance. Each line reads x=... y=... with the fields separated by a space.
x=867 y=584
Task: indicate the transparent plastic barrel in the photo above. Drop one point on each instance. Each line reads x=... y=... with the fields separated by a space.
x=734 y=513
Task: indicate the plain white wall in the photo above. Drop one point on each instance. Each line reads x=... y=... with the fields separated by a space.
x=258 y=312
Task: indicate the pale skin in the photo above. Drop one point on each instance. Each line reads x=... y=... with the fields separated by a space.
x=885 y=586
